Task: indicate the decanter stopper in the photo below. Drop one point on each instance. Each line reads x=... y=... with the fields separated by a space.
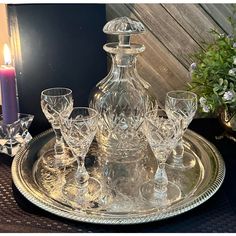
x=124 y=27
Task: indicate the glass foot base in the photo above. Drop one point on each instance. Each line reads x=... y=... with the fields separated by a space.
x=79 y=198
x=186 y=162
x=225 y=134
x=173 y=194
x=53 y=162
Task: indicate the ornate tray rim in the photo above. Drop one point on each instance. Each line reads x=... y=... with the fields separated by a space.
x=116 y=220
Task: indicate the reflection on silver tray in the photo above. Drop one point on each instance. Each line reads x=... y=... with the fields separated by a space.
x=40 y=186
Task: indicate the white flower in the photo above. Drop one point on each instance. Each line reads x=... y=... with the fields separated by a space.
x=229 y=95
x=206 y=108
x=193 y=66
x=202 y=101
x=234 y=58
x=234 y=45
x=232 y=72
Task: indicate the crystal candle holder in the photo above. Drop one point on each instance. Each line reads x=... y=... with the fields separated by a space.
x=14 y=136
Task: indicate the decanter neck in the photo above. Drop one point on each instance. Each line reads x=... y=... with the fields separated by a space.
x=124 y=60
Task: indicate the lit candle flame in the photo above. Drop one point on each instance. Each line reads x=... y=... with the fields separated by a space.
x=6 y=54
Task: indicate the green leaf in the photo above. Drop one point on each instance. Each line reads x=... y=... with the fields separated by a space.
x=221 y=81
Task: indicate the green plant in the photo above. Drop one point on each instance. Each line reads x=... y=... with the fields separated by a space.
x=214 y=72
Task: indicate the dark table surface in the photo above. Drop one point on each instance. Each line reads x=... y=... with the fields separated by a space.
x=218 y=214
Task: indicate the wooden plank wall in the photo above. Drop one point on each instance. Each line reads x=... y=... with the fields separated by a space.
x=174 y=33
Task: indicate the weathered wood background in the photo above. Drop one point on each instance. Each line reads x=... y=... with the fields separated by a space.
x=173 y=33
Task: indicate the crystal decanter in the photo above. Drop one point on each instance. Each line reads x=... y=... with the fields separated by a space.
x=122 y=97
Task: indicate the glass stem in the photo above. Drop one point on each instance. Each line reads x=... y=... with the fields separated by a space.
x=178 y=153
x=81 y=175
x=161 y=180
x=59 y=145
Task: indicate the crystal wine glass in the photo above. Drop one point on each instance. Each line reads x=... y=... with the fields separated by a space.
x=78 y=131
x=185 y=104
x=162 y=135
x=56 y=103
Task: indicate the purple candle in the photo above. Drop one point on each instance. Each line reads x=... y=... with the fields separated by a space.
x=8 y=90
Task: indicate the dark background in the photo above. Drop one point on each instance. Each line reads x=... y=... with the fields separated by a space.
x=61 y=46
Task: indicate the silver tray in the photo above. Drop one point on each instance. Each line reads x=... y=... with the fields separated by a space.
x=197 y=184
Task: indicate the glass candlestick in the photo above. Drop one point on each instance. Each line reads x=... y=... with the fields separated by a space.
x=14 y=136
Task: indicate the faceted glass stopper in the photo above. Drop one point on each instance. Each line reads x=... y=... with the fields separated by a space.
x=123 y=26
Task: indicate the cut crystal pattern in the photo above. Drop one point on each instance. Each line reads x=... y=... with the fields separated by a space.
x=122 y=97
x=123 y=25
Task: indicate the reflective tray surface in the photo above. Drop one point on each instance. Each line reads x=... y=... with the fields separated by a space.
x=40 y=186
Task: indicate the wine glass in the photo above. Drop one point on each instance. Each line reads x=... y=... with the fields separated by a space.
x=78 y=131
x=185 y=104
x=55 y=103
x=162 y=134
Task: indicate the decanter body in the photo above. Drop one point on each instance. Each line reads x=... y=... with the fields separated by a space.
x=122 y=97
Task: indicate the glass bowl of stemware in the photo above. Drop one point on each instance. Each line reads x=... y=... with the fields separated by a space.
x=185 y=104
x=79 y=130
x=56 y=103
x=163 y=134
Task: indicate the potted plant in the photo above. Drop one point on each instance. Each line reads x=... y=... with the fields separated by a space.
x=213 y=78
